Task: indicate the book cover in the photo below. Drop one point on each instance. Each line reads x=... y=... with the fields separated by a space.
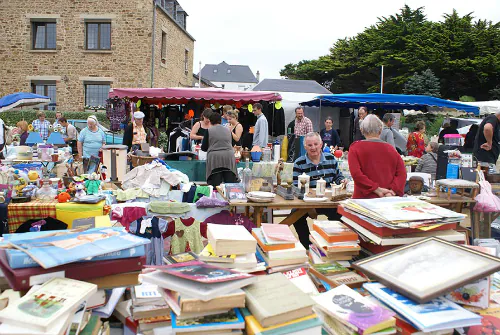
x=235 y=192
x=351 y=279
x=57 y=250
x=41 y=308
x=301 y=279
x=181 y=258
x=334 y=231
x=253 y=327
x=475 y=294
x=354 y=310
x=201 y=272
x=208 y=255
x=273 y=299
x=230 y=320
x=278 y=233
x=262 y=242
x=437 y=314
x=20 y=260
x=328 y=269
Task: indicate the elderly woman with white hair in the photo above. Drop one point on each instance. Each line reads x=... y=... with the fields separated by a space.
x=91 y=139
x=136 y=134
x=376 y=167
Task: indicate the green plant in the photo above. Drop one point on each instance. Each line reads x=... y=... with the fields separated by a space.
x=467 y=98
x=163 y=141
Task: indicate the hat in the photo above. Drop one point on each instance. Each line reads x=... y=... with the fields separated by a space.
x=139 y=115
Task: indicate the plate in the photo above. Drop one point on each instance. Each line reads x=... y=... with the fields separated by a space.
x=260 y=194
x=257 y=199
x=307 y=199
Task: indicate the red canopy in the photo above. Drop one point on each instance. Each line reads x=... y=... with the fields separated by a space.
x=183 y=95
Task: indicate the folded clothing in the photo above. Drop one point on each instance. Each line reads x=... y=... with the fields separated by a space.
x=168 y=207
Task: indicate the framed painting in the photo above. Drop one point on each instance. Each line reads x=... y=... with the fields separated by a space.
x=429 y=268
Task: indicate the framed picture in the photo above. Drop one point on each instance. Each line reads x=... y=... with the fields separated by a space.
x=429 y=268
x=93 y=165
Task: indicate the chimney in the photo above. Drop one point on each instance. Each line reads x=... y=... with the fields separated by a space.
x=258 y=76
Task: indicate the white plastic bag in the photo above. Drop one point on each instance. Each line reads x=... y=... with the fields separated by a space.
x=486 y=200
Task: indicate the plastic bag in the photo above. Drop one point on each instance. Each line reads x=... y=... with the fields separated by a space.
x=486 y=200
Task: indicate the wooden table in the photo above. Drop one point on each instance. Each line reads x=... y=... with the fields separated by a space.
x=301 y=207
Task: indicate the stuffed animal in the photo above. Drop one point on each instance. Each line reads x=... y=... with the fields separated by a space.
x=103 y=171
x=93 y=184
x=80 y=189
x=63 y=197
x=71 y=189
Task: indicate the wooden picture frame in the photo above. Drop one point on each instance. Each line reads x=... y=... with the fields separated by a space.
x=428 y=268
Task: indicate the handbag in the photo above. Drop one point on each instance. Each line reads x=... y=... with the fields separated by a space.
x=486 y=200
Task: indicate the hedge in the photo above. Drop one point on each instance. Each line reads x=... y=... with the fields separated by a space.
x=12 y=117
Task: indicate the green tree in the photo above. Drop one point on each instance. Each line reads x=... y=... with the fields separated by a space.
x=467 y=98
x=464 y=54
x=425 y=83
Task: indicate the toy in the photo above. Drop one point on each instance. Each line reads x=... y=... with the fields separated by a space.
x=103 y=171
x=33 y=176
x=63 y=197
x=93 y=184
x=79 y=189
x=71 y=189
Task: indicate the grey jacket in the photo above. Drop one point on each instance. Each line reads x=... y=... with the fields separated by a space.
x=260 y=134
x=428 y=164
x=387 y=136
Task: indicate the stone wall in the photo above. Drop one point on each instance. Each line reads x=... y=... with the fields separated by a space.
x=127 y=64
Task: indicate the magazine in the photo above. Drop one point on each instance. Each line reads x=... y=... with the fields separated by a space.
x=437 y=314
x=59 y=249
x=201 y=272
x=180 y=258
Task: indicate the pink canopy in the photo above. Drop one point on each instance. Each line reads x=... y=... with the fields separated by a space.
x=183 y=95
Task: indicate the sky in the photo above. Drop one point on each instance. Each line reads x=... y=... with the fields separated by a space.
x=268 y=34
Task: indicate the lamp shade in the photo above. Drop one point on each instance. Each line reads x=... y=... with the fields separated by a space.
x=55 y=138
x=34 y=138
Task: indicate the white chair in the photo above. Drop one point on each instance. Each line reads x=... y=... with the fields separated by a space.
x=426 y=176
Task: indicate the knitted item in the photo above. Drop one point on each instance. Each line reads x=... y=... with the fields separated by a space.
x=166 y=207
x=186 y=237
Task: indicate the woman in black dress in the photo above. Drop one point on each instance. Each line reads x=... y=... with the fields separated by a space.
x=200 y=128
x=235 y=127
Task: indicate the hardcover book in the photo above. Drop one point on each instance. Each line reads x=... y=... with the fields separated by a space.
x=230 y=320
x=334 y=231
x=230 y=239
x=42 y=308
x=66 y=248
x=201 y=272
x=181 y=258
x=182 y=304
x=354 y=310
x=277 y=233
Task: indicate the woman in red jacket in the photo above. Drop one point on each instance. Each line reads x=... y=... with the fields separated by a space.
x=376 y=167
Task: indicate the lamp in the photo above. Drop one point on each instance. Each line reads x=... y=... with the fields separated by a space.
x=34 y=138
x=56 y=138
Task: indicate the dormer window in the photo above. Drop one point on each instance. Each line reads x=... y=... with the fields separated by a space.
x=228 y=71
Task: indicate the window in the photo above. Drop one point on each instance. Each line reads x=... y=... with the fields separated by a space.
x=47 y=88
x=96 y=94
x=163 y=47
x=98 y=36
x=186 y=61
x=44 y=35
x=215 y=70
x=228 y=71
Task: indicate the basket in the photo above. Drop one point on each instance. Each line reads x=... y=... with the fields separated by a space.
x=140 y=160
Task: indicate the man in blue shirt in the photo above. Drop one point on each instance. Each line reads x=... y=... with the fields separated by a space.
x=316 y=164
x=261 y=130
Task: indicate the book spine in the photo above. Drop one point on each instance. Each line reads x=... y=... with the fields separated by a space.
x=20 y=260
x=259 y=312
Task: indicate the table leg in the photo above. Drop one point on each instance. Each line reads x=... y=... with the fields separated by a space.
x=257 y=216
x=294 y=216
x=458 y=207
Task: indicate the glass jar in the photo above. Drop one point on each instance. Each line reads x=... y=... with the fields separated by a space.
x=266 y=155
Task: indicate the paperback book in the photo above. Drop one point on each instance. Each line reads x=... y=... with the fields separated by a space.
x=277 y=233
x=334 y=231
x=180 y=258
x=354 y=310
x=230 y=320
x=201 y=272
x=208 y=255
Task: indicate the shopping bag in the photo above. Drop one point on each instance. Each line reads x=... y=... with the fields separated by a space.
x=486 y=200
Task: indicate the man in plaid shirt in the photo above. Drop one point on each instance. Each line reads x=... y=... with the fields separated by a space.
x=303 y=125
x=41 y=125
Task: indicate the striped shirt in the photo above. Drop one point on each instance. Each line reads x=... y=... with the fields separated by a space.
x=327 y=169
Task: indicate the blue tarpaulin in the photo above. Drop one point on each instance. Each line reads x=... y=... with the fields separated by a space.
x=387 y=101
x=21 y=99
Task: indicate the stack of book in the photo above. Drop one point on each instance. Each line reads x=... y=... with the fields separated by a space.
x=276 y=306
x=330 y=275
x=231 y=247
x=108 y=257
x=332 y=241
x=279 y=248
x=204 y=299
x=385 y=223
x=148 y=308
x=48 y=309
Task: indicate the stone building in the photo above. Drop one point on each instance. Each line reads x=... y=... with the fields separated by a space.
x=75 y=51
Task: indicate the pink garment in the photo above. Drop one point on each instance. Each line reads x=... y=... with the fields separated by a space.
x=129 y=215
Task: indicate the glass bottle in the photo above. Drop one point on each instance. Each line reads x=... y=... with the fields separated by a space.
x=247 y=175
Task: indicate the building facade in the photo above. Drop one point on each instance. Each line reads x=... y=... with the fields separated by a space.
x=75 y=51
x=230 y=77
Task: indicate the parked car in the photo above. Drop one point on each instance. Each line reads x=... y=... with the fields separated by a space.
x=111 y=138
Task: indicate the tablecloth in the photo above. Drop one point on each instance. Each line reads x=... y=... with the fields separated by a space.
x=35 y=209
x=69 y=211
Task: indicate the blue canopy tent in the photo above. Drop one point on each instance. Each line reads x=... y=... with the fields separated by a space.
x=387 y=101
x=21 y=99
